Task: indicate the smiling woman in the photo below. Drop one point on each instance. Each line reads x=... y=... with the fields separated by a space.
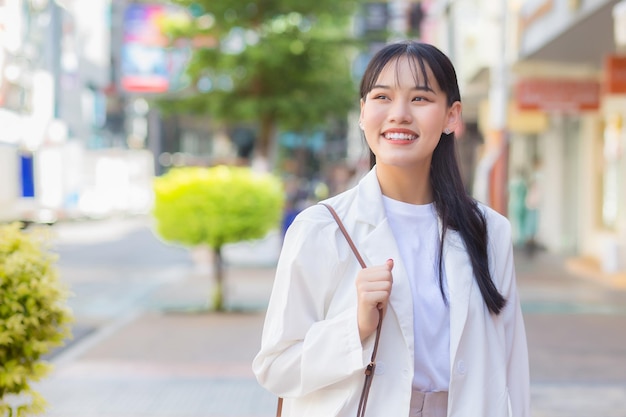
x=439 y=266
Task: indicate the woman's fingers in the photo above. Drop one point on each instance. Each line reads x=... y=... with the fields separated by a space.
x=373 y=290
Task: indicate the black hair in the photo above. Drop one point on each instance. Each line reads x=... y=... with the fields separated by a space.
x=456 y=209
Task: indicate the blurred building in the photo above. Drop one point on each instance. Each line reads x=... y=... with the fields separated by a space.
x=64 y=149
x=544 y=82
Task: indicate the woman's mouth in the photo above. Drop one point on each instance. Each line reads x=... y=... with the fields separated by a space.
x=399 y=136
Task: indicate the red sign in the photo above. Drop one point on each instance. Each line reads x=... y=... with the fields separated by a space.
x=558 y=95
x=615 y=74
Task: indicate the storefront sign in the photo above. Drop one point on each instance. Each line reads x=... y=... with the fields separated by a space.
x=615 y=74
x=558 y=95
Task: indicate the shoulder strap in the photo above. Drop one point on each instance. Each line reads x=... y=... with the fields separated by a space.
x=371 y=367
x=345 y=233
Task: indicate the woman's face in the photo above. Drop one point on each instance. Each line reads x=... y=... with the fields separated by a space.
x=403 y=117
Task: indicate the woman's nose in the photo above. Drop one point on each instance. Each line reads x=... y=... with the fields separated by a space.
x=400 y=112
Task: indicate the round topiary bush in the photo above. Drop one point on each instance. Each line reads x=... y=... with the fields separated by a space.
x=215 y=206
x=34 y=317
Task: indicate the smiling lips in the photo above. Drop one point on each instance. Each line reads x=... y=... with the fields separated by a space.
x=397 y=136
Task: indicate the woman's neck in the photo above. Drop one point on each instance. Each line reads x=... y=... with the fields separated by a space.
x=407 y=185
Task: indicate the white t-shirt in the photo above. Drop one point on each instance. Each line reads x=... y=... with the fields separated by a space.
x=416 y=230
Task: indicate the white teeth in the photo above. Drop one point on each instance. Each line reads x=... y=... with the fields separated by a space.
x=400 y=136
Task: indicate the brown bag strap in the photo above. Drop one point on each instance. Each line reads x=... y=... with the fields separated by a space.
x=345 y=233
x=279 y=409
x=371 y=367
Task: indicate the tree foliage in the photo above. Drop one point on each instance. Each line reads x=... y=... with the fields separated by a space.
x=279 y=63
x=215 y=206
x=33 y=316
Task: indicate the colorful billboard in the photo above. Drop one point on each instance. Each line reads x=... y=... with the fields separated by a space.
x=149 y=64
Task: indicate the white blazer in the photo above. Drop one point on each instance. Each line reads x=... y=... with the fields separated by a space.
x=311 y=353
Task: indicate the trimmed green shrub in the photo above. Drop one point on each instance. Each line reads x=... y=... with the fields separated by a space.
x=34 y=317
x=215 y=206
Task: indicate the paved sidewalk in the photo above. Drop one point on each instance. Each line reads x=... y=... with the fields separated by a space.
x=574 y=322
x=162 y=359
x=168 y=358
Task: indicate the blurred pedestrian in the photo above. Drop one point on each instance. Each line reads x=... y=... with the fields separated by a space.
x=440 y=268
x=532 y=206
x=517 y=205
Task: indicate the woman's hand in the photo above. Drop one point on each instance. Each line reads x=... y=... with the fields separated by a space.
x=373 y=286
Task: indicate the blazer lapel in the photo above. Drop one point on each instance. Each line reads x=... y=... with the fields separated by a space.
x=378 y=244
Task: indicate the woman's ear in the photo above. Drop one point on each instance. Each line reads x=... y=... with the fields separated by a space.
x=454 y=117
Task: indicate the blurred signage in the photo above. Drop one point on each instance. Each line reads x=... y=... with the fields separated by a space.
x=27 y=175
x=149 y=64
x=558 y=95
x=615 y=74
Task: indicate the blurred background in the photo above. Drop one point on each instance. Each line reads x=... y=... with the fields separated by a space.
x=100 y=98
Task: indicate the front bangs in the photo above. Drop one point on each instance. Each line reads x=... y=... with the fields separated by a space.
x=418 y=69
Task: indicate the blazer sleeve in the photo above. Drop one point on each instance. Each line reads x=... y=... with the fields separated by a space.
x=303 y=347
x=518 y=378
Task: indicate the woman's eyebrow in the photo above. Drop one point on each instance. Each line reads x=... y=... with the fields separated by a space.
x=416 y=88
x=423 y=88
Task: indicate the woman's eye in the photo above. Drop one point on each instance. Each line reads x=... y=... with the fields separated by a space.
x=380 y=97
x=419 y=99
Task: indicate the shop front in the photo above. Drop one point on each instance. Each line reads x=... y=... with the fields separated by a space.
x=570 y=69
x=607 y=237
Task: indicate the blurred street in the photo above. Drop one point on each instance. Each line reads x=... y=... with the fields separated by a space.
x=102 y=100
x=143 y=348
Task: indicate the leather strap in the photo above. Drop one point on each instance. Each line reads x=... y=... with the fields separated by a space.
x=345 y=233
x=371 y=367
x=279 y=408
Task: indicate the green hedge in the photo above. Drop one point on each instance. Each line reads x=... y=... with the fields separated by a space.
x=34 y=317
x=217 y=205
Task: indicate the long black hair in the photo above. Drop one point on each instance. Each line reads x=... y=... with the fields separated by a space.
x=456 y=209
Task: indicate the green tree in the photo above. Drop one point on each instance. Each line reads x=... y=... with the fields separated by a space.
x=215 y=206
x=33 y=317
x=280 y=64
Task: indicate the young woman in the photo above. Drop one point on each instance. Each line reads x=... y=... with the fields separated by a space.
x=440 y=265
